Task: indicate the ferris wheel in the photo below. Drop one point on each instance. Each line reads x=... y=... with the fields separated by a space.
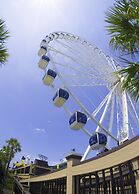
x=85 y=85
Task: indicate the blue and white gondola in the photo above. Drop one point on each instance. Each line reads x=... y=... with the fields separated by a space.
x=49 y=77
x=60 y=97
x=44 y=62
x=43 y=43
x=77 y=120
x=43 y=50
x=97 y=141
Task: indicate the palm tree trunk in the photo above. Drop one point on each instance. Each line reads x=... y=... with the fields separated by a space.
x=9 y=160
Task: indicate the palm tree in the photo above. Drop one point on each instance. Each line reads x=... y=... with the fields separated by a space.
x=123 y=20
x=14 y=147
x=4 y=156
x=131 y=78
x=123 y=26
x=4 y=34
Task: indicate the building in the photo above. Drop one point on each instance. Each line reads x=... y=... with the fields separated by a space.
x=112 y=172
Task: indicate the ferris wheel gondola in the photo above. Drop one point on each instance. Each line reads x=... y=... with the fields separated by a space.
x=44 y=62
x=60 y=97
x=49 y=77
x=42 y=51
x=79 y=64
x=77 y=120
x=98 y=141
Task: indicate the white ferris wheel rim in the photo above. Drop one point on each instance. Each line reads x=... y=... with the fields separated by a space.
x=110 y=66
x=52 y=37
x=110 y=60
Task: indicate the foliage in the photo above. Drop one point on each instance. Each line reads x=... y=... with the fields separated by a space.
x=123 y=20
x=131 y=79
x=4 y=34
x=9 y=182
x=8 y=152
x=13 y=146
x=4 y=154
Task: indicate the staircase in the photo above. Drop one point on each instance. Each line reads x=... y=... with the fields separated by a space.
x=18 y=188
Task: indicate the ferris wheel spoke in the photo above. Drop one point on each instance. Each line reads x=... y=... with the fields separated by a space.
x=72 y=49
x=87 y=47
x=83 y=107
x=84 y=44
x=79 y=62
x=67 y=110
x=134 y=109
x=66 y=55
x=81 y=80
x=75 y=70
x=72 y=38
x=78 y=44
x=82 y=49
x=96 y=111
x=77 y=76
x=80 y=76
x=70 y=113
x=86 y=131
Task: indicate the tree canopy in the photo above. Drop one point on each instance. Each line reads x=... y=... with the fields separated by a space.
x=8 y=152
x=123 y=27
x=123 y=20
x=4 y=34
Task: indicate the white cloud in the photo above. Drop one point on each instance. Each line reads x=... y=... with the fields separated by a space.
x=40 y=130
x=53 y=163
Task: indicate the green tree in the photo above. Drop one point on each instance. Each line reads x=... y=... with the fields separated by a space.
x=4 y=34
x=123 y=26
x=131 y=79
x=12 y=147
x=123 y=20
x=4 y=153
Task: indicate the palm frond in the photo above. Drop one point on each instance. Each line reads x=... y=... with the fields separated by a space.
x=123 y=25
x=4 y=34
x=131 y=78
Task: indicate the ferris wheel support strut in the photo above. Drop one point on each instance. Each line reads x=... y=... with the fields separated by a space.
x=125 y=131
x=86 y=153
x=134 y=110
x=100 y=121
x=96 y=111
x=104 y=112
x=111 y=118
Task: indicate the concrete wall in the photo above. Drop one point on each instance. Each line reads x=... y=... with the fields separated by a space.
x=127 y=151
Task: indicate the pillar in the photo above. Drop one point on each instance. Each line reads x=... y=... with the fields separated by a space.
x=72 y=159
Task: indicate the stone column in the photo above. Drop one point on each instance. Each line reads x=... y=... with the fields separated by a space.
x=72 y=159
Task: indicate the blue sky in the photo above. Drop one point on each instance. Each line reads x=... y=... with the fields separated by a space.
x=26 y=110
